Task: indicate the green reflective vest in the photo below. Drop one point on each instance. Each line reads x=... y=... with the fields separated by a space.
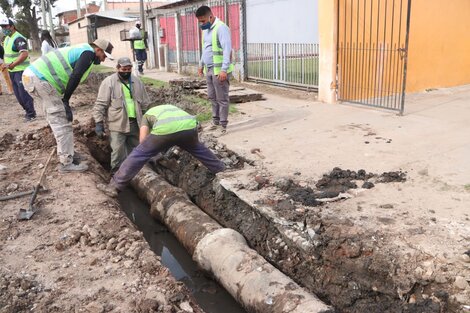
x=11 y=56
x=218 y=52
x=130 y=104
x=170 y=119
x=140 y=44
x=56 y=66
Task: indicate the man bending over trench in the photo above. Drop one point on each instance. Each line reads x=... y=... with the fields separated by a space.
x=162 y=127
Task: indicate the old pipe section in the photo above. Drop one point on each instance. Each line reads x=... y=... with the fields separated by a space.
x=246 y=275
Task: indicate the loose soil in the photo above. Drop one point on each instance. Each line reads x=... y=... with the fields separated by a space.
x=345 y=261
x=79 y=253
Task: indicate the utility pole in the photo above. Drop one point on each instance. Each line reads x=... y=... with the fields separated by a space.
x=43 y=11
x=49 y=6
x=79 y=11
x=105 y=5
x=142 y=15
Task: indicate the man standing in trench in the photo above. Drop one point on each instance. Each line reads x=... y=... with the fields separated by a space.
x=163 y=127
x=216 y=64
x=121 y=101
x=52 y=79
x=16 y=61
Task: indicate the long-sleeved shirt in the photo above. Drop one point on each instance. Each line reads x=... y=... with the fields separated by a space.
x=46 y=47
x=225 y=42
x=79 y=69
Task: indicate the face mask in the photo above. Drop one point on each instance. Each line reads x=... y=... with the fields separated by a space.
x=6 y=32
x=138 y=26
x=206 y=25
x=124 y=75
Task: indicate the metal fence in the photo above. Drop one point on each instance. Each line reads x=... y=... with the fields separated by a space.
x=284 y=64
x=187 y=37
x=372 y=52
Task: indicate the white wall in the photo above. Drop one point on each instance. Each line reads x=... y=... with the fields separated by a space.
x=282 y=21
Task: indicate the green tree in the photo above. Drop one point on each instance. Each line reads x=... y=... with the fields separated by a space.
x=26 y=18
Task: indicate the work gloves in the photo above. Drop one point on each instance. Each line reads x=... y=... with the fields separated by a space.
x=99 y=129
x=68 y=110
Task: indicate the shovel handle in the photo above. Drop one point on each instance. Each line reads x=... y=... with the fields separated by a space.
x=36 y=188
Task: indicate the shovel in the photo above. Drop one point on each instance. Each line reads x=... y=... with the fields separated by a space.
x=26 y=214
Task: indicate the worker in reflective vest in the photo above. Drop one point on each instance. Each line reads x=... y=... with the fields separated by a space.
x=16 y=60
x=163 y=127
x=216 y=64
x=121 y=102
x=52 y=79
x=140 y=49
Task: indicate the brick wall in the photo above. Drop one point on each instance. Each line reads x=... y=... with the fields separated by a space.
x=112 y=33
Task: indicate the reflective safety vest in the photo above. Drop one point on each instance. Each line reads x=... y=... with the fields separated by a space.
x=170 y=119
x=217 y=51
x=140 y=44
x=11 y=56
x=56 y=66
x=130 y=104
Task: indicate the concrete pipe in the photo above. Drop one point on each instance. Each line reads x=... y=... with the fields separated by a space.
x=246 y=275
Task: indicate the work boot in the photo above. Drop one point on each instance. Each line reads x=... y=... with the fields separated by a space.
x=221 y=132
x=28 y=119
x=73 y=168
x=77 y=158
x=108 y=190
x=211 y=127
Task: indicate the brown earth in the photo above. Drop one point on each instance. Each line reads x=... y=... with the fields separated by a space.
x=79 y=253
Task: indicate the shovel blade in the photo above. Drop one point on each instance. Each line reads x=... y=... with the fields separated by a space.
x=26 y=214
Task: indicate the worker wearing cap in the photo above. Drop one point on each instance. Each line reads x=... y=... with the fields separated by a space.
x=140 y=46
x=162 y=127
x=122 y=100
x=52 y=79
x=16 y=60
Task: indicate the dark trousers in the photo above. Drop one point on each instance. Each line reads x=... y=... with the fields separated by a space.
x=141 y=56
x=153 y=144
x=22 y=96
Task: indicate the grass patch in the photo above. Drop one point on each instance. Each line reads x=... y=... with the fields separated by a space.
x=102 y=69
x=467 y=187
x=206 y=115
x=299 y=71
x=153 y=82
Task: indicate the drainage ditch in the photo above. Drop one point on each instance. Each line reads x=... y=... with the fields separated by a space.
x=352 y=269
x=210 y=296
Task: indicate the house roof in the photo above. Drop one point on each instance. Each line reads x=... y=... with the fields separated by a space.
x=133 y=5
x=118 y=15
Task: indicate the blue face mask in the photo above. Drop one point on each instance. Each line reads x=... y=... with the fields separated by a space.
x=206 y=26
x=6 y=32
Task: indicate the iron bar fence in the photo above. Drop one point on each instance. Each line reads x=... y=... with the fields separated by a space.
x=372 y=52
x=288 y=64
x=190 y=35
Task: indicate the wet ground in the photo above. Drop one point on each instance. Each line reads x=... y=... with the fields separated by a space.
x=210 y=296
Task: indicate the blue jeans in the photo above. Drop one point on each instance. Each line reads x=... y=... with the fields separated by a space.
x=22 y=96
x=153 y=144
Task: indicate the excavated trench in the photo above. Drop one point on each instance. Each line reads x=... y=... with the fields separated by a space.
x=210 y=296
x=329 y=256
x=339 y=263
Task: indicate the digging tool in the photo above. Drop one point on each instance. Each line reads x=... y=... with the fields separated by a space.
x=257 y=151
x=26 y=214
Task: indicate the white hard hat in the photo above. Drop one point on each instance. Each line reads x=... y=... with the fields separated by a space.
x=138 y=23
x=4 y=20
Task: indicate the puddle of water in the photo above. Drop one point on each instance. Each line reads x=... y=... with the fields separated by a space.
x=210 y=296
